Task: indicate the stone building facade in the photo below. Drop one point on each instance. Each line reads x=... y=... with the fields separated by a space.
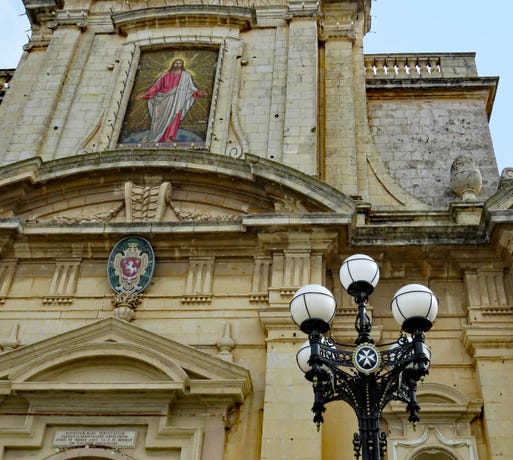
x=293 y=150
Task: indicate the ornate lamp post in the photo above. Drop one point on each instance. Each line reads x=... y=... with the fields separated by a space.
x=365 y=375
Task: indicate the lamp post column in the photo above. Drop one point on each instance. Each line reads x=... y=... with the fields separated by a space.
x=370 y=443
x=365 y=375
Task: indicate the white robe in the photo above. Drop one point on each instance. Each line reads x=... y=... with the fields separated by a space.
x=163 y=108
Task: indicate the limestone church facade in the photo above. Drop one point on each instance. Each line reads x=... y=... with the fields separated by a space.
x=171 y=172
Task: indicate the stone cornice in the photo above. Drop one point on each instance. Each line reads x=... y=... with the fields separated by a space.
x=493 y=342
x=278 y=325
x=479 y=87
x=183 y=15
x=420 y=233
x=41 y=9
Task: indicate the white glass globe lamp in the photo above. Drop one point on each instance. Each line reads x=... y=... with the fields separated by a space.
x=415 y=307
x=303 y=356
x=359 y=274
x=313 y=307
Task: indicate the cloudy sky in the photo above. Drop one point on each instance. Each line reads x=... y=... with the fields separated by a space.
x=397 y=26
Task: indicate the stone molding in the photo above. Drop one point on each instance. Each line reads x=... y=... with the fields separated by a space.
x=479 y=87
x=31 y=367
x=94 y=452
x=252 y=169
x=489 y=342
x=186 y=15
x=446 y=414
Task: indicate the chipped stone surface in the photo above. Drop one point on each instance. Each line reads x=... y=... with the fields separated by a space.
x=418 y=141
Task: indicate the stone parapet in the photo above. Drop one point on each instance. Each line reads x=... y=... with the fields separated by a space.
x=416 y=65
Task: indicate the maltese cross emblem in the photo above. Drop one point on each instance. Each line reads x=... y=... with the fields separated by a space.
x=366 y=358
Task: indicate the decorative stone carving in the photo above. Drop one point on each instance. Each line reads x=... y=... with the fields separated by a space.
x=64 y=282
x=226 y=344
x=188 y=216
x=125 y=304
x=506 y=177
x=260 y=282
x=7 y=270
x=432 y=438
x=296 y=271
x=198 y=286
x=104 y=216
x=129 y=271
x=144 y=203
x=11 y=342
x=466 y=178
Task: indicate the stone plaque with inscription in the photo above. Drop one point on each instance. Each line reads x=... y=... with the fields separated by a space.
x=110 y=438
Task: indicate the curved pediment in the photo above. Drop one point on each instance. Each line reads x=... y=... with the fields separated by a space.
x=117 y=356
x=161 y=186
x=438 y=402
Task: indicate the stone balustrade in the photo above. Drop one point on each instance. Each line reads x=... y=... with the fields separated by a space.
x=414 y=66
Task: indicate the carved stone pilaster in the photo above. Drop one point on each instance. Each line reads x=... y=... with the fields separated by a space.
x=296 y=271
x=64 y=282
x=260 y=283
x=198 y=285
x=487 y=296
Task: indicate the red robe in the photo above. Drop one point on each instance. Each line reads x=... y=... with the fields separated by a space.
x=163 y=85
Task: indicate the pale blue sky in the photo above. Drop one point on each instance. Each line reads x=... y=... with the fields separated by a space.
x=397 y=26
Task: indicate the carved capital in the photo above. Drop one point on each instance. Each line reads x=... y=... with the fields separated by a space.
x=334 y=26
x=67 y=18
x=303 y=7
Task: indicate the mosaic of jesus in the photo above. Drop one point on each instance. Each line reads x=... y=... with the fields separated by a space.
x=171 y=98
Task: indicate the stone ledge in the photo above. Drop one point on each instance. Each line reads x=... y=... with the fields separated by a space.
x=231 y=16
x=481 y=87
x=489 y=342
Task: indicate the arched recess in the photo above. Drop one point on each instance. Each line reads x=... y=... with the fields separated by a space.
x=433 y=454
x=443 y=431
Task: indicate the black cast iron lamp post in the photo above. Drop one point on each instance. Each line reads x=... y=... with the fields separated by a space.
x=365 y=375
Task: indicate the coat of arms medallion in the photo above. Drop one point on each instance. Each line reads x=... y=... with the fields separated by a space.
x=130 y=266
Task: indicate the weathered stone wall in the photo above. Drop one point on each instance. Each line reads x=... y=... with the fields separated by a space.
x=418 y=140
x=315 y=152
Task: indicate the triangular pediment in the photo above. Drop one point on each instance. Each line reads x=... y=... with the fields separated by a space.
x=114 y=355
